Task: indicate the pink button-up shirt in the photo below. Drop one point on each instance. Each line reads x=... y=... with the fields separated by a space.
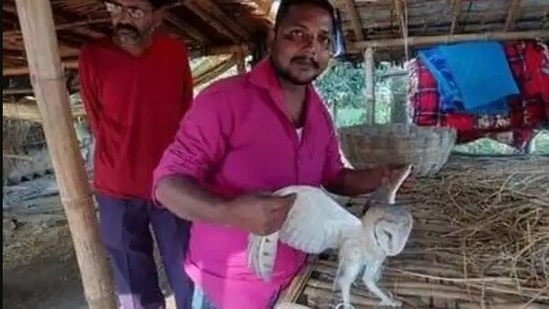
x=237 y=138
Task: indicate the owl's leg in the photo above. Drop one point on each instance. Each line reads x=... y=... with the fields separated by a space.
x=371 y=277
x=350 y=265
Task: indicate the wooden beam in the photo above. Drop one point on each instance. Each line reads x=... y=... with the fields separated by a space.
x=64 y=26
x=456 y=11
x=259 y=11
x=294 y=290
x=268 y=13
x=67 y=65
x=30 y=111
x=36 y=21
x=209 y=19
x=355 y=19
x=191 y=31
x=397 y=4
x=511 y=14
x=10 y=8
x=403 y=22
x=73 y=64
x=444 y=39
x=369 y=87
x=10 y=69
x=214 y=71
x=228 y=21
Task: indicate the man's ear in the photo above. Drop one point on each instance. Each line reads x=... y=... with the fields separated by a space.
x=158 y=16
x=270 y=39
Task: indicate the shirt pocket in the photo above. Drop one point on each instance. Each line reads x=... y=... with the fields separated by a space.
x=311 y=158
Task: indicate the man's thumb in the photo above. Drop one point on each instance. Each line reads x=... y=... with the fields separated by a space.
x=288 y=199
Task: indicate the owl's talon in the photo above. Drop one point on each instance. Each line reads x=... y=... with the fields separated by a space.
x=391 y=303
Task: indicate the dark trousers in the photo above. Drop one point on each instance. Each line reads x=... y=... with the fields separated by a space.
x=124 y=226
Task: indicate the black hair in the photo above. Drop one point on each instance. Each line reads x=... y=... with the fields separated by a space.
x=158 y=4
x=285 y=6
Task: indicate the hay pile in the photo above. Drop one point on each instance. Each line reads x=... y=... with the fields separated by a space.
x=24 y=150
x=491 y=222
x=14 y=134
x=480 y=240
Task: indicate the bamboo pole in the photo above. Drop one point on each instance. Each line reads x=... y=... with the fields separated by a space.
x=295 y=289
x=65 y=26
x=442 y=39
x=36 y=21
x=214 y=71
x=202 y=73
x=30 y=112
x=369 y=85
x=240 y=62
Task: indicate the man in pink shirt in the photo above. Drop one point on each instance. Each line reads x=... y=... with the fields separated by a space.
x=249 y=135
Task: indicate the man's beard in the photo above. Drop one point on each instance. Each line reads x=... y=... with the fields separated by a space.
x=130 y=35
x=284 y=74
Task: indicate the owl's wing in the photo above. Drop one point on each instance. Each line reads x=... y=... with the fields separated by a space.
x=316 y=222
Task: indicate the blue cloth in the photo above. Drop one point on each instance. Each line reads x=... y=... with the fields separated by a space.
x=472 y=77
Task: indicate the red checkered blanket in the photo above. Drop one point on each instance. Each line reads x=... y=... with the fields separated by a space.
x=529 y=62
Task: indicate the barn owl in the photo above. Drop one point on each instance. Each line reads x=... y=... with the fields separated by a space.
x=316 y=223
x=385 y=229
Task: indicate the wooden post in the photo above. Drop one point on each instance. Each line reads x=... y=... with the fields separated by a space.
x=530 y=147
x=369 y=85
x=398 y=100
x=241 y=62
x=48 y=81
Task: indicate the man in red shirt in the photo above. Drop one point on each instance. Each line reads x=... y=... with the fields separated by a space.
x=136 y=86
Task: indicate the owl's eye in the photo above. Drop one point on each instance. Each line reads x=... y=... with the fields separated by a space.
x=389 y=235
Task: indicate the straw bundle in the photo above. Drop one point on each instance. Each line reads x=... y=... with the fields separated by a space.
x=493 y=220
x=512 y=205
x=481 y=238
x=14 y=133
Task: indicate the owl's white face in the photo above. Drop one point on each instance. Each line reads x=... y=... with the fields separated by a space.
x=392 y=230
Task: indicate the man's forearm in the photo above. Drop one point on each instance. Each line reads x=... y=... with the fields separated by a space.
x=354 y=182
x=186 y=199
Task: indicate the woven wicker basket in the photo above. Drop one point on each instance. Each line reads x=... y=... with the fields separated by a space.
x=427 y=148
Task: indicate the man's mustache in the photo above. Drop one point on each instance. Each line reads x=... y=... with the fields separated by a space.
x=122 y=26
x=305 y=60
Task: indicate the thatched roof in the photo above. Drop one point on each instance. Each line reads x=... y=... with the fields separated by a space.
x=380 y=20
x=214 y=26
x=383 y=23
x=207 y=26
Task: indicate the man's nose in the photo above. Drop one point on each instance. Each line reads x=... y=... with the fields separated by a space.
x=312 y=46
x=124 y=16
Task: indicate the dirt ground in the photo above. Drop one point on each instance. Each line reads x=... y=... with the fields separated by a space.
x=39 y=264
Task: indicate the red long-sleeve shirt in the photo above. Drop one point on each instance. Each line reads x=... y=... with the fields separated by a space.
x=134 y=105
